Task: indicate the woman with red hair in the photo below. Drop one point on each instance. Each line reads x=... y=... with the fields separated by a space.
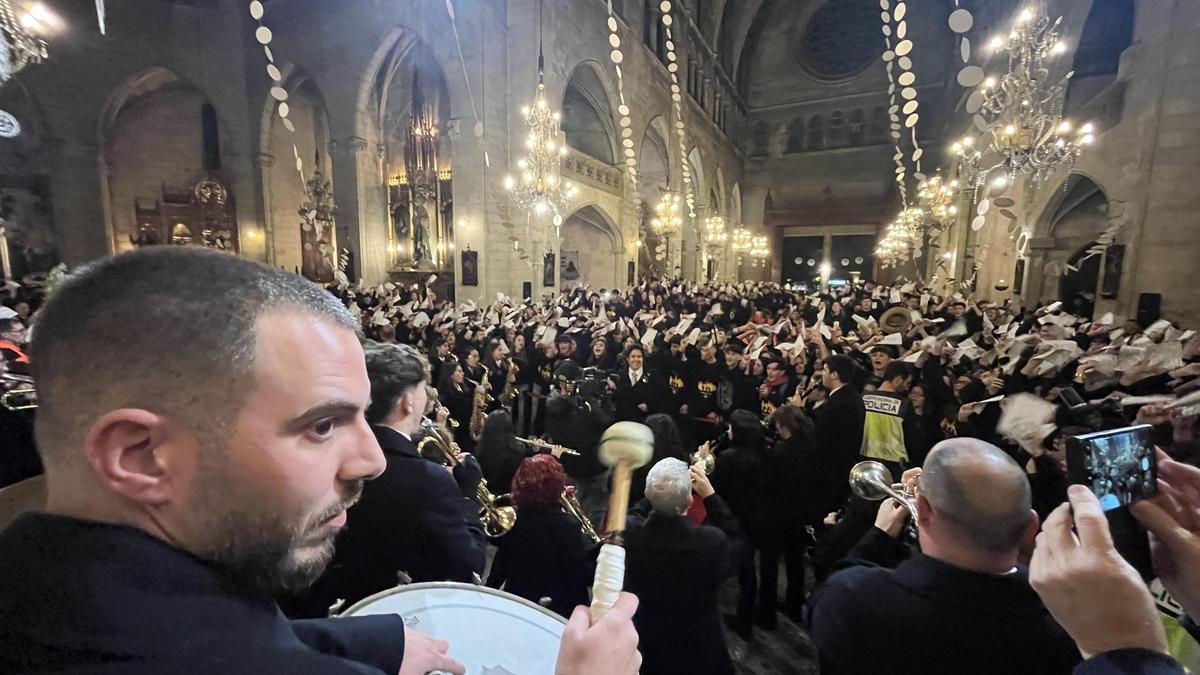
x=544 y=556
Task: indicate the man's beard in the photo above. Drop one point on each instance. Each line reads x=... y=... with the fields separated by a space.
x=260 y=549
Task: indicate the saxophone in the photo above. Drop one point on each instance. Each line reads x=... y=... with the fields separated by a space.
x=510 y=383
x=479 y=406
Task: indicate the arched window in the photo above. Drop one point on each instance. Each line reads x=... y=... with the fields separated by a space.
x=795 y=136
x=837 y=130
x=816 y=133
x=858 y=128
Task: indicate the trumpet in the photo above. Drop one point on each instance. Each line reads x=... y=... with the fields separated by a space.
x=545 y=445
x=18 y=392
x=872 y=481
x=497 y=520
x=571 y=506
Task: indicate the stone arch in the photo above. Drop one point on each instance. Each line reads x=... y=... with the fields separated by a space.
x=397 y=43
x=592 y=240
x=735 y=207
x=587 y=114
x=283 y=184
x=153 y=108
x=654 y=165
x=718 y=188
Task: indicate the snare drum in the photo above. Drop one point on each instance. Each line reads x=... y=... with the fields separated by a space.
x=490 y=632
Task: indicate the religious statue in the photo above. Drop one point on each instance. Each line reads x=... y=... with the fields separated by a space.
x=421 y=250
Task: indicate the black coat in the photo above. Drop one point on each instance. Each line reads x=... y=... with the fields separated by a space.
x=628 y=396
x=741 y=479
x=676 y=569
x=839 y=432
x=927 y=616
x=544 y=556
x=412 y=518
x=80 y=596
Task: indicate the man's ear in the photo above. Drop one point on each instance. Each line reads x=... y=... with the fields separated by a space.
x=924 y=511
x=125 y=449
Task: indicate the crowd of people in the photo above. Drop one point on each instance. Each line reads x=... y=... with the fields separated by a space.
x=761 y=400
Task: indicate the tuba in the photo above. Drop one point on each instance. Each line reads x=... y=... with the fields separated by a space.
x=571 y=506
x=872 y=481
x=497 y=520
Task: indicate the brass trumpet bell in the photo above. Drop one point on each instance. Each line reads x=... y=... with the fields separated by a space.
x=872 y=481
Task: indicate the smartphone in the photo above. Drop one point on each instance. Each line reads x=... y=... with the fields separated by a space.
x=1118 y=464
x=1120 y=467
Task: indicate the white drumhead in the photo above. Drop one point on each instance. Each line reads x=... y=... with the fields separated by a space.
x=490 y=632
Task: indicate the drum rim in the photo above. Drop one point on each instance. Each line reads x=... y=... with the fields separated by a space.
x=426 y=585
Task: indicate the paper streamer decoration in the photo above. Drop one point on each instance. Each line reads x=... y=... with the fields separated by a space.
x=263 y=35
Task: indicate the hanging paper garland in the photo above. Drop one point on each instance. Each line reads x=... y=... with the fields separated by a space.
x=617 y=58
x=264 y=36
x=677 y=104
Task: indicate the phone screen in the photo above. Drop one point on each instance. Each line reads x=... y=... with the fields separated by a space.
x=1118 y=465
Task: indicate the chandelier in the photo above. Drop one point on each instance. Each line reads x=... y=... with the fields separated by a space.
x=760 y=250
x=936 y=198
x=742 y=241
x=538 y=188
x=1021 y=110
x=667 y=220
x=902 y=239
x=22 y=46
x=714 y=230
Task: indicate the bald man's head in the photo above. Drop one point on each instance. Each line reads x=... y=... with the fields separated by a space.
x=979 y=492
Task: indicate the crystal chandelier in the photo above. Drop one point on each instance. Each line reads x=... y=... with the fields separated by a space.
x=901 y=240
x=936 y=198
x=714 y=231
x=667 y=221
x=1021 y=110
x=742 y=241
x=538 y=188
x=21 y=45
x=760 y=250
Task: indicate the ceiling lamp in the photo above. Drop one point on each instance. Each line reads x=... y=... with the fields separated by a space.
x=902 y=240
x=538 y=187
x=760 y=250
x=742 y=241
x=21 y=29
x=1020 y=112
x=714 y=230
x=936 y=198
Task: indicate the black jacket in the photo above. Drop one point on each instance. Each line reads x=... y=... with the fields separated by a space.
x=412 y=518
x=676 y=568
x=628 y=396
x=740 y=478
x=931 y=617
x=839 y=426
x=86 y=597
x=544 y=556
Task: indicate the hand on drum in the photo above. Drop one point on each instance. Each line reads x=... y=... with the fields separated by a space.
x=423 y=654
x=609 y=646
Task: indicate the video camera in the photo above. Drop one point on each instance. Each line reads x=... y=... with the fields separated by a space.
x=593 y=384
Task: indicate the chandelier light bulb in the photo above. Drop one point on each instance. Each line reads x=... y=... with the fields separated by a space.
x=509 y=183
x=1059 y=47
x=1000 y=182
x=1065 y=127
x=1087 y=139
x=989 y=83
x=997 y=43
x=1087 y=128
x=1026 y=16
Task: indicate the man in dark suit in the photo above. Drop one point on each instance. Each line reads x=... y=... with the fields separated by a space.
x=964 y=605
x=196 y=468
x=839 y=431
x=637 y=390
x=416 y=517
x=676 y=568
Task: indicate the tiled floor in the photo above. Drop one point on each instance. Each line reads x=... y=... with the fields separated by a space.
x=783 y=651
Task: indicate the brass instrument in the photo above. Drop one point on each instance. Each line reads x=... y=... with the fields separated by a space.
x=572 y=508
x=705 y=458
x=497 y=520
x=872 y=481
x=510 y=383
x=479 y=405
x=18 y=392
x=545 y=445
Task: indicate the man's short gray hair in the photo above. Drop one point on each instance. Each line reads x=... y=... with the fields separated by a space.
x=979 y=491
x=170 y=329
x=669 y=486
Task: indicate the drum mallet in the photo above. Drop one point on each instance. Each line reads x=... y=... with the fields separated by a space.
x=624 y=446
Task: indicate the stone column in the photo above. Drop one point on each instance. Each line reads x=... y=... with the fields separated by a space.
x=359 y=199
x=79 y=199
x=265 y=162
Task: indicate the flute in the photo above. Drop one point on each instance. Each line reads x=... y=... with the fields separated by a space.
x=547 y=445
